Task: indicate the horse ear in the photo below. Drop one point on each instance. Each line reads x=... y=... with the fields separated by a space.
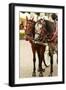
x=26 y=18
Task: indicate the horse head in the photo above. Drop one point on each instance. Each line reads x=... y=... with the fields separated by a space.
x=40 y=30
x=29 y=29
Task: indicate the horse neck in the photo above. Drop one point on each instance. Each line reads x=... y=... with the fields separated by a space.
x=50 y=26
x=33 y=32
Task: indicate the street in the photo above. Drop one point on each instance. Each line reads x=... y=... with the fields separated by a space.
x=26 y=62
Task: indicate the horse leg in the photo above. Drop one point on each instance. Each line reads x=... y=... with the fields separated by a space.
x=57 y=56
x=56 y=50
x=43 y=60
x=42 y=56
x=40 y=64
x=40 y=67
x=51 y=62
x=51 y=66
x=34 y=61
x=34 y=68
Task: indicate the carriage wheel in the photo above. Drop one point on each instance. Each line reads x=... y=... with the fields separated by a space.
x=46 y=57
x=46 y=60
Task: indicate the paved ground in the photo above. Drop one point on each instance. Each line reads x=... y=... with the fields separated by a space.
x=26 y=62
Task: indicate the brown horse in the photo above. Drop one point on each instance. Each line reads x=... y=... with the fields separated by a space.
x=36 y=47
x=49 y=33
x=52 y=40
